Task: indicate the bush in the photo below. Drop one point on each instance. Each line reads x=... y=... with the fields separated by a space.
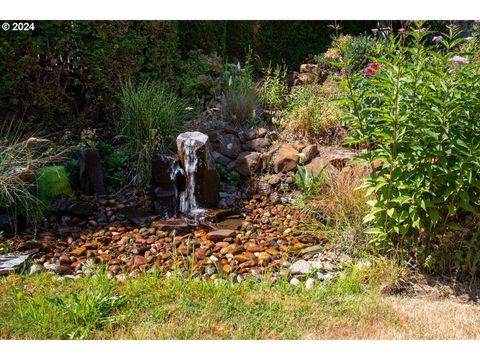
x=311 y=110
x=415 y=110
x=200 y=77
x=272 y=89
x=151 y=117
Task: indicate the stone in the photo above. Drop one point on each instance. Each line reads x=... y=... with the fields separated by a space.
x=202 y=180
x=167 y=179
x=300 y=267
x=65 y=205
x=91 y=172
x=309 y=68
x=309 y=153
x=310 y=283
x=12 y=262
x=294 y=282
x=219 y=235
x=35 y=269
x=315 y=249
x=248 y=163
x=139 y=260
x=264 y=188
x=229 y=146
x=319 y=165
x=58 y=269
x=221 y=159
x=257 y=145
x=286 y=159
x=210 y=270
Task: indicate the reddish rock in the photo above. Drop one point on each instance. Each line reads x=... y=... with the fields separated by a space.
x=229 y=146
x=219 y=235
x=309 y=152
x=80 y=251
x=248 y=163
x=200 y=253
x=139 y=261
x=255 y=248
x=286 y=159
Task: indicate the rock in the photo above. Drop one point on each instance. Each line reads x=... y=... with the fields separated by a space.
x=286 y=159
x=264 y=188
x=202 y=180
x=272 y=136
x=309 y=68
x=325 y=276
x=200 y=254
x=275 y=179
x=167 y=179
x=257 y=145
x=219 y=235
x=315 y=249
x=300 y=267
x=35 y=269
x=294 y=282
x=58 y=269
x=251 y=134
x=91 y=172
x=210 y=270
x=12 y=262
x=80 y=251
x=139 y=260
x=180 y=226
x=64 y=204
x=310 y=283
x=229 y=146
x=221 y=159
x=248 y=163
x=138 y=217
x=309 y=152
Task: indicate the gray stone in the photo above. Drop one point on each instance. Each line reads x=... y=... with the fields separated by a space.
x=229 y=146
x=221 y=159
x=300 y=267
x=248 y=163
x=12 y=262
x=310 y=283
x=294 y=282
x=258 y=145
x=315 y=249
x=57 y=269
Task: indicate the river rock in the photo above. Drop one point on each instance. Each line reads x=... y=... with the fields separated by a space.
x=286 y=159
x=300 y=267
x=12 y=262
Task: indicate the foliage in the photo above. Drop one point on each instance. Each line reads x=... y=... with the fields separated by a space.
x=311 y=110
x=200 y=77
x=19 y=158
x=228 y=177
x=240 y=98
x=5 y=246
x=151 y=117
x=115 y=163
x=416 y=115
x=272 y=89
x=308 y=182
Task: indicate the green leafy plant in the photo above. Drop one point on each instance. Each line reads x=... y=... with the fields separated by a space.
x=228 y=177
x=272 y=89
x=151 y=117
x=414 y=110
x=308 y=182
x=87 y=311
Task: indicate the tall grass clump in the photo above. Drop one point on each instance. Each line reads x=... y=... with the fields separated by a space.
x=272 y=89
x=150 y=119
x=416 y=109
x=20 y=156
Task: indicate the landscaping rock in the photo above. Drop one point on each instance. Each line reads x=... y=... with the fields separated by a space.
x=58 y=269
x=248 y=163
x=286 y=159
x=310 y=283
x=257 y=145
x=12 y=262
x=309 y=153
x=65 y=205
x=91 y=172
x=221 y=159
x=229 y=146
x=294 y=282
x=219 y=235
x=300 y=267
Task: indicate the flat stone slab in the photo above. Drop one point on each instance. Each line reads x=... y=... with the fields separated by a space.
x=11 y=262
x=219 y=235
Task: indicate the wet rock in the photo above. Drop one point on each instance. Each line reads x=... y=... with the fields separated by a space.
x=167 y=181
x=91 y=172
x=309 y=153
x=195 y=155
x=248 y=163
x=138 y=217
x=233 y=222
x=286 y=159
x=12 y=262
x=300 y=267
x=64 y=204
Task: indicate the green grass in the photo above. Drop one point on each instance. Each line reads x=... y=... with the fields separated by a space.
x=153 y=307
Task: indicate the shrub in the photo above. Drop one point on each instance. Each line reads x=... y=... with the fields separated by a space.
x=359 y=49
x=200 y=77
x=415 y=110
x=272 y=89
x=308 y=182
x=151 y=117
x=311 y=110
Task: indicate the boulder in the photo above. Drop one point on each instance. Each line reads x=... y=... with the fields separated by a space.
x=221 y=159
x=229 y=146
x=309 y=152
x=91 y=172
x=202 y=185
x=167 y=181
x=316 y=166
x=258 y=145
x=248 y=163
x=286 y=159
x=65 y=205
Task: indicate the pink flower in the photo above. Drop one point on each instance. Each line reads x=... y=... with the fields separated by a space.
x=370 y=69
x=460 y=60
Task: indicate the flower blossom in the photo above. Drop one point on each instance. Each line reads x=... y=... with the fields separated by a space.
x=437 y=38
x=460 y=60
x=370 y=69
